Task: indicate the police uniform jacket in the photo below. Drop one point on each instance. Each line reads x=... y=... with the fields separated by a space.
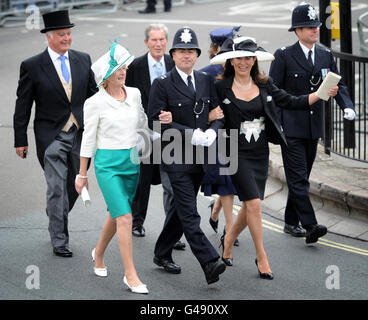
x=170 y=93
x=270 y=97
x=291 y=71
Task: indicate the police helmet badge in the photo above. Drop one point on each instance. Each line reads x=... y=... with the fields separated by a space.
x=312 y=13
x=186 y=36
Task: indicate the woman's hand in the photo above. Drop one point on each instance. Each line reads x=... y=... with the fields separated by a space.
x=333 y=91
x=165 y=117
x=80 y=182
x=215 y=114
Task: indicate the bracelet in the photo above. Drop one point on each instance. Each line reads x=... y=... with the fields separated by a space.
x=82 y=177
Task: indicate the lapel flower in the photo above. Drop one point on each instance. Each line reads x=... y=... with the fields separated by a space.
x=226 y=101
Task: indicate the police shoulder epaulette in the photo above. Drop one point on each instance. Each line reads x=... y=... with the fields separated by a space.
x=283 y=48
x=163 y=76
x=328 y=50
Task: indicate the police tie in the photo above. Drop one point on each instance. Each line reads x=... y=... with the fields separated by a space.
x=310 y=61
x=64 y=69
x=190 y=85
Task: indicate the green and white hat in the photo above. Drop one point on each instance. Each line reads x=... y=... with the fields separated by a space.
x=111 y=61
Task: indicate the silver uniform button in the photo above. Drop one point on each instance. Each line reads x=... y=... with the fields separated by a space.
x=179 y=104
x=312 y=88
x=311 y=112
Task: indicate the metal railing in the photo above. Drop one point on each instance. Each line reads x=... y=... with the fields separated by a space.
x=349 y=138
x=15 y=12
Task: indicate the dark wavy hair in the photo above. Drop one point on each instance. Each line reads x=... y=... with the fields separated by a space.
x=260 y=78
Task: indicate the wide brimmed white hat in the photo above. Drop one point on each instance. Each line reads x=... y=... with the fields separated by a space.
x=111 y=61
x=241 y=47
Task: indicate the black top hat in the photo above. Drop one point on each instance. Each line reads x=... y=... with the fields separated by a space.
x=185 y=38
x=56 y=20
x=304 y=15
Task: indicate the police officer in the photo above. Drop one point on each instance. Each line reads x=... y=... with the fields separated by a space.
x=300 y=69
x=189 y=95
x=218 y=36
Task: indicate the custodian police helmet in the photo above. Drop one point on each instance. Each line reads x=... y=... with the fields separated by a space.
x=185 y=38
x=304 y=15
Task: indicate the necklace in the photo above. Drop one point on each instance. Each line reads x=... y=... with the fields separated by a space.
x=243 y=87
x=121 y=97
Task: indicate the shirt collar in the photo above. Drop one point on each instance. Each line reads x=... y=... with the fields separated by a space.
x=54 y=55
x=184 y=76
x=306 y=50
x=152 y=61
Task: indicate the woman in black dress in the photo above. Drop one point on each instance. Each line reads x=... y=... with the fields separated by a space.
x=248 y=100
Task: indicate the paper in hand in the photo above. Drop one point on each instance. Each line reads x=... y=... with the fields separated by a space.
x=331 y=80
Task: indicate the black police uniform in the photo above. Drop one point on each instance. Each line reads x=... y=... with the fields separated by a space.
x=292 y=72
x=189 y=111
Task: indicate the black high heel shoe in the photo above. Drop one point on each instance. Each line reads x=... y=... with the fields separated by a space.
x=236 y=242
x=227 y=261
x=266 y=275
x=213 y=224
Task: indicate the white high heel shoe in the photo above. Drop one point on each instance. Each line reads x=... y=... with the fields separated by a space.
x=100 y=272
x=137 y=289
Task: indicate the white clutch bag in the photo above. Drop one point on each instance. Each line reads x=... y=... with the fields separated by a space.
x=85 y=197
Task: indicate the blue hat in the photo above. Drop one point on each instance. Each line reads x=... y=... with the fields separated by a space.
x=218 y=36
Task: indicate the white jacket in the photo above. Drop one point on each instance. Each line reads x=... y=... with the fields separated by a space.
x=110 y=124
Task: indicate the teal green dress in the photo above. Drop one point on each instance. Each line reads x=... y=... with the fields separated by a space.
x=117 y=173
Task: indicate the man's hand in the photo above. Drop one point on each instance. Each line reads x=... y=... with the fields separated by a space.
x=211 y=137
x=199 y=138
x=22 y=151
x=349 y=114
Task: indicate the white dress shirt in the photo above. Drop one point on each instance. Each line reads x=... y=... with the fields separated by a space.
x=56 y=61
x=184 y=76
x=151 y=66
x=306 y=51
x=111 y=124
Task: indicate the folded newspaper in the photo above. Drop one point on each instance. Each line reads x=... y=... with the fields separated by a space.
x=331 y=80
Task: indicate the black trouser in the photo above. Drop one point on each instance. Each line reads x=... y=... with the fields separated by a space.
x=185 y=219
x=298 y=158
x=147 y=177
x=151 y=4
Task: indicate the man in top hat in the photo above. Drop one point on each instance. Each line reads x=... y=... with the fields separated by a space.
x=299 y=69
x=58 y=80
x=189 y=95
